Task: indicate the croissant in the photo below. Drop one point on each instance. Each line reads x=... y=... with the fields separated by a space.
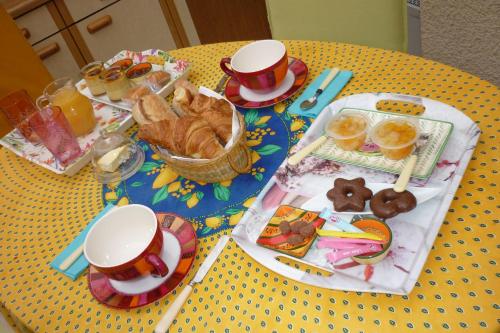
x=195 y=138
x=221 y=123
x=189 y=136
x=160 y=133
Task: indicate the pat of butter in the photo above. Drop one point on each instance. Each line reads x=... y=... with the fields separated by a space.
x=110 y=161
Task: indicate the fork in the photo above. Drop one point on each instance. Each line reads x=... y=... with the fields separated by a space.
x=404 y=176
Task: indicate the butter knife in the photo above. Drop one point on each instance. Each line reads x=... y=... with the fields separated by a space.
x=222 y=84
x=176 y=306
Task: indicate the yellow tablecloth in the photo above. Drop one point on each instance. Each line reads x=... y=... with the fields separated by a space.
x=40 y=213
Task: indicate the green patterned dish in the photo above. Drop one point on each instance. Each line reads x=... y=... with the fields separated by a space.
x=369 y=156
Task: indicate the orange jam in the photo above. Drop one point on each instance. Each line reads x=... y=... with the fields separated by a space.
x=123 y=64
x=138 y=73
x=396 y=138
x=349 y=130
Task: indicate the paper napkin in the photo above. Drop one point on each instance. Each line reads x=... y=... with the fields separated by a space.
x=325 y=98
x=76 y=269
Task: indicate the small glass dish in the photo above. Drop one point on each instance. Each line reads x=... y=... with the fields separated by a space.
x=115 y=157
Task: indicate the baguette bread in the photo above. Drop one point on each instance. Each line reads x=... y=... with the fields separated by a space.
x=152 y=108
x=135 y=93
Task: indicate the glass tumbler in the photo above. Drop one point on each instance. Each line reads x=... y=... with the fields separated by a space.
x=16 y=107
x=55 y=132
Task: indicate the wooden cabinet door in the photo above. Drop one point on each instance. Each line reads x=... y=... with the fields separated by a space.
x=37 y=24
x=135 y=25
x=78 y=9
x=57 y=57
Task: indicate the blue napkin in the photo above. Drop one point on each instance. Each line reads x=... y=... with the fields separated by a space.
x=76 y=269
x=325 y=98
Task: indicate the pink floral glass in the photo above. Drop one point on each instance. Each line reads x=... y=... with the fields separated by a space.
x=53 y=129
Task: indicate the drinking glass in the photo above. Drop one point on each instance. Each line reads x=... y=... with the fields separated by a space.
x=16 y=107
x=76 y=107
x=55 y=132
x=5 y=126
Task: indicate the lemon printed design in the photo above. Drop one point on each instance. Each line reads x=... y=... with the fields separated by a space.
x=214 y=206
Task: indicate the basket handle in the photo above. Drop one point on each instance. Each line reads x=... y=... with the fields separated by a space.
x=246 y=168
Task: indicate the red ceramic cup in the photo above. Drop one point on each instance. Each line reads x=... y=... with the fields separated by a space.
x=126 y=243
x=259 y=66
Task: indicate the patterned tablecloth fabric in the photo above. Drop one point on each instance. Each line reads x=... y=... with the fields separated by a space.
x=40 y=213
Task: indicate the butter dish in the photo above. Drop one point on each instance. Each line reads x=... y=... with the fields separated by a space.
x=115 y=157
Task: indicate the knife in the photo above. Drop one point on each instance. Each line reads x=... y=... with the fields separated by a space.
x=222 y=82
x=176 y=306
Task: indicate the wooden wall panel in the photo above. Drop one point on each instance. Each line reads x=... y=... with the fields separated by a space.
x=229 y=20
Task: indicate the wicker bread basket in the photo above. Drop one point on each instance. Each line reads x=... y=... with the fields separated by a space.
x=236 y=160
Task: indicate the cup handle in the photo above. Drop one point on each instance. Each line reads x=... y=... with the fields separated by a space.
x=224 y=62
x=160 y=268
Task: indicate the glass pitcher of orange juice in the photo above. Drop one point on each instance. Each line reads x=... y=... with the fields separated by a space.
x=77 y=108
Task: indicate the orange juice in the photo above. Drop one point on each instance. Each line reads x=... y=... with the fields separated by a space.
x=76 y=108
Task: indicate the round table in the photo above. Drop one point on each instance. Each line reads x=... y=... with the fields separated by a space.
x=42 y=212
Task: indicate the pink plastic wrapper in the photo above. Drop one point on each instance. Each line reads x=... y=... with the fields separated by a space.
x=335 y=256
x=332 y=241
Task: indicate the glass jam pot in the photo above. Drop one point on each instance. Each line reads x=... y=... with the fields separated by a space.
x=115 y=83
x=91 y=73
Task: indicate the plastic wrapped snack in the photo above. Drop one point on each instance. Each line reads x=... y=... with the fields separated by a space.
x=156 y=80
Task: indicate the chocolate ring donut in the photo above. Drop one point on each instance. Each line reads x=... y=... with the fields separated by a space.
x=349 y=195
x=389 y=203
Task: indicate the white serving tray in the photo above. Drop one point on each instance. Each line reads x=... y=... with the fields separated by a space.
x=160 y=60
x=108 y=118
x=414 y=232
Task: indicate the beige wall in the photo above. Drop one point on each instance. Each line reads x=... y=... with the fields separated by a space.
x=464 y=34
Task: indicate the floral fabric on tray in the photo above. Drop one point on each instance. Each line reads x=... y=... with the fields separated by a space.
x=213 y=207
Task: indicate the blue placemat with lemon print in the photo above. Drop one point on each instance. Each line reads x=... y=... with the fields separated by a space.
x=214 y=207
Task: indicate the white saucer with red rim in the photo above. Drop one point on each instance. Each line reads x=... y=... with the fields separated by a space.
x=246 y=98
x=170 y=254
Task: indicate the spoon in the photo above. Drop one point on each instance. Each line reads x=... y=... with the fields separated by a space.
x=404 y=176
x=309 y=103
